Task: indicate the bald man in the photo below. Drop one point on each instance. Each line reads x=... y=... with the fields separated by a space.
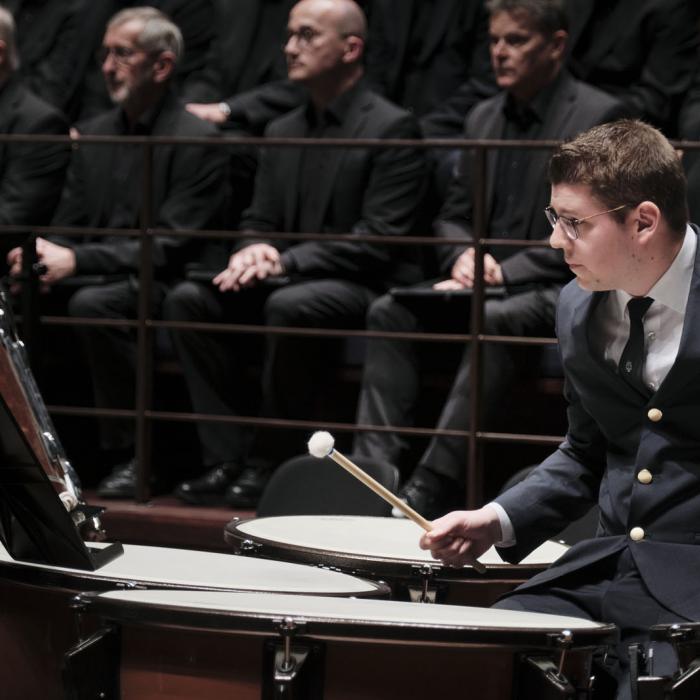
x=308 y=283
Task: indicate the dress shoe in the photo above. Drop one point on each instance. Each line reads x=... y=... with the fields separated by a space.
x=209 y=489
x=245 y=492
x=121 y=483
x=426 y=496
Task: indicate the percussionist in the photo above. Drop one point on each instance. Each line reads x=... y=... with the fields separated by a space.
x=629 y=341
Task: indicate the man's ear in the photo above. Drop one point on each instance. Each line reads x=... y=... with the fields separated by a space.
x=355 y=47
x=163 y=66
x=648 y=217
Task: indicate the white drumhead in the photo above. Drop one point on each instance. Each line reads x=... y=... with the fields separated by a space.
x=184 y=567
x=360 y=610
x=392 y=539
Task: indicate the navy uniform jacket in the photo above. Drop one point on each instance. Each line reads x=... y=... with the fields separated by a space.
x=609 y=440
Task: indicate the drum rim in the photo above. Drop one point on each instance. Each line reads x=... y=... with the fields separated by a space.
x=395 y=569
x=142 y=613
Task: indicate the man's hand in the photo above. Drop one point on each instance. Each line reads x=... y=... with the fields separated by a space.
x=462 y=536
x=58 y=260
x=209 y=112
x=248 y=266
x=463 y=272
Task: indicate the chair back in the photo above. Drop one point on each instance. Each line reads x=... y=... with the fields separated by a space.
x=306 y=485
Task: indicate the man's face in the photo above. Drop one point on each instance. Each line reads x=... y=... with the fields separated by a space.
x=522 y=57
x=127 y=69
x=603 y=256
x=314 y=47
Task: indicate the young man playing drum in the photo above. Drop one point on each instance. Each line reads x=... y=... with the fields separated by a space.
x=629 y=340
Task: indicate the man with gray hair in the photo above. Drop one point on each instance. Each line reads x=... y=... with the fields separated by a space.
x=538 y=100
x=31 y=175
x=140 y=51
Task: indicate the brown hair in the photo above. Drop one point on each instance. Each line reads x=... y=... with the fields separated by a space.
x=625 y=162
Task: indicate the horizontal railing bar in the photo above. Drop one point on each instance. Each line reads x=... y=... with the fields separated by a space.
x=296 y=331
x=299 y=141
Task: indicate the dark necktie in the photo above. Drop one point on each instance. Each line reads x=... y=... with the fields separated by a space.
x=632 y=358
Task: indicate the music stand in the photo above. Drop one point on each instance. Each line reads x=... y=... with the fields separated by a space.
x=35 y=523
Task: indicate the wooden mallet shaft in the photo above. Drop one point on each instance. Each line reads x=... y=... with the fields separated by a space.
x=388 y=496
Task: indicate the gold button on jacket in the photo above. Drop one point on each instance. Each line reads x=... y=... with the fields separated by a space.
x=654 y=415
x=637 y=534
x=644 y=477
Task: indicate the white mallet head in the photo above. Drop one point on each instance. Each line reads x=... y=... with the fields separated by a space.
x=321 y=444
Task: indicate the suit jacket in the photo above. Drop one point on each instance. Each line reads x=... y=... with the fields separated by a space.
x=188 y=189
x=31 y=175
x=49 y=43
x=609 y=439
x=451 y=45
x=249 y=45
x=643 y=52
x=574 y=107
x=368 y=191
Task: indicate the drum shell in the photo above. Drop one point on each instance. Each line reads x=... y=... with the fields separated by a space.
x=37 y=619
x=406 y=577
x=167 y=653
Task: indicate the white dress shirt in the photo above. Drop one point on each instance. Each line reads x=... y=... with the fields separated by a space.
x=663 y=326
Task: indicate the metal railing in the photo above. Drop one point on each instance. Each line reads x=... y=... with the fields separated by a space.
x=143 y=413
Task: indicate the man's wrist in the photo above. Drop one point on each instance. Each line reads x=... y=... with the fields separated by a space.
x=225 y=109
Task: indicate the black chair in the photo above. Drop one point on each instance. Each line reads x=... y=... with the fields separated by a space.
x=306 y=485
x=582 y=529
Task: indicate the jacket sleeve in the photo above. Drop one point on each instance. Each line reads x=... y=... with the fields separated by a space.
x=562 y=488
x=33 y=175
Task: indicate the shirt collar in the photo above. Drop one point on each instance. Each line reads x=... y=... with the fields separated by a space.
x=537 y=107
x=673 y=287
x=336 y=111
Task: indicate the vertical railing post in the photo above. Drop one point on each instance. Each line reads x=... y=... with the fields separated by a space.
x=30 y=300
x=474 y=480
x=144 y=344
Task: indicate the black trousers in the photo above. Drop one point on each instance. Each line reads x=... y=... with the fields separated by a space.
x=391 y=379
x=215 y=363
x=111 y=352
x=610 y=591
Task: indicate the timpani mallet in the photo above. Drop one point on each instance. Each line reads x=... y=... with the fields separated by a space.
x=321 y=444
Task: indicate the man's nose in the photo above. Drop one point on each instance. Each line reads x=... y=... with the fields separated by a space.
x=558 y=239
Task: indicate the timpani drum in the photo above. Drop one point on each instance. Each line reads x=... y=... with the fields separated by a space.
x=194 y=644
x=37 y=623
x=384 y=549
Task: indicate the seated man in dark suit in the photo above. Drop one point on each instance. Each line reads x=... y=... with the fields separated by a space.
x=419 y=53
x=628 y=338
x=104 y=187
x=311 y=283
x=50 y=47
x=539 y=100
x=645 y=52
x=31 y=175
x=252 y=66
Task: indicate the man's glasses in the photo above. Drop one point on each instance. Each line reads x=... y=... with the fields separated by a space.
x=570 y=226
x=122 y=55
x=305 y=37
